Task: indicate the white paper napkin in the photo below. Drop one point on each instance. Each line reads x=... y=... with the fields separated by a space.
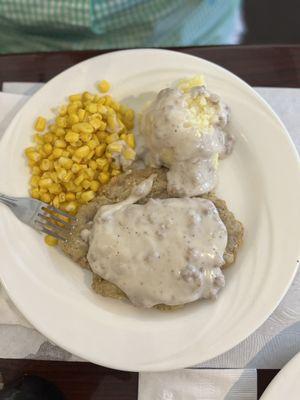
x=271 y=346
x=198 y=384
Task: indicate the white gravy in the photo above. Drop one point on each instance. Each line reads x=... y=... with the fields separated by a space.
x=167 y=251
x=178 y=135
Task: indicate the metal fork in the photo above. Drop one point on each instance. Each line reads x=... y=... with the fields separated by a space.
x=41 y=216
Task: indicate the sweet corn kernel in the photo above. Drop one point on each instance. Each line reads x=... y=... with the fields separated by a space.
x=71 y=207
x=90 y=173
x=86 y=184
x=50 y=240
x=45 y=182
x=102 y=162
x=129 y=114
x=129 y=154
x=75 y=168
x=45 y=165
x=87 y=96
x=130 y=139
x=115 y=147
x=92 y=144
x=75 y=97
x=68 y=176
x=79 y=179
x=45 y=197
x=62 y=197
x=86 y=137
x=62 y=111
x=72 y=109
x=94 y=186
x=57 y=152
x=34 y=181
x=81 y=114
x=73 y=119
x=87 y=196
x=82 y=152
x=108 y=100
x=55 y=201
x=104 y=177
x=35 y=193
x=61 y=122
x=47 y=148
x=65 y=162
x=84 y=127
x=96 y=123
x=59 y=132
x=55 y=188
x=38 y=138
x=48 y=137
x=115 y=172
x=36 y=170
x=70 y=196
x=34 y=156
x=40 y=124
x=103 y=86
x=112 y=138
x=100 y=149
x=59 y=143
x=92 y=108
x=93 y=165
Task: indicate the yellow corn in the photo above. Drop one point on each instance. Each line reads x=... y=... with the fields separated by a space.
x=55 y=188
x=87 y=196
x=129 y=154
x=102 y=162
x=40 y=124
x=71 y=207
x=92 y=144
x=112 y=138
x=100 y=149
x=75 y=97
x=82 y=152
x=92 y=108
x=79 y=179
x=50 y=240
x=73 y=119
x=75 y=168
x=59 y=132
x=93 y=165
x=103 y=86
x=61 y=144
x=35 y=193
x=45 y=182
x=45 y=165
x=96 y=123
x=70 y=196
x=55 y=201
x=34 y=181
x=115 y=147
x=130 y=139
x=81 y=114
x=62 y=111
x=36 y=170
x=115 y=172
x=62 y=197
x=45 y=197
x=94 y=186
x=84 y=127
x=86 y=184
x=61 y=122
x=87 y=96
x=34 y=156
x=104 y=177
x=65 y=162
x=47 y=148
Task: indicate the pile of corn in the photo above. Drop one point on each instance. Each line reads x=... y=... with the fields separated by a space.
x=74 y=156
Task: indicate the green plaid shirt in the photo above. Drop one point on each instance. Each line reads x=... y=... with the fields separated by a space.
x=46 y=25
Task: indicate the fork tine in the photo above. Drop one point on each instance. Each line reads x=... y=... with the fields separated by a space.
x=55 y=218
x=56 y=235
x=49 y=224
x=56 y=210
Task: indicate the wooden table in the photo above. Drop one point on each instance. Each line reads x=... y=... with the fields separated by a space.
x=258 y=65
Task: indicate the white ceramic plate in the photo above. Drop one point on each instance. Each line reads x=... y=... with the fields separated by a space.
x=260 y=182
x=285 y=385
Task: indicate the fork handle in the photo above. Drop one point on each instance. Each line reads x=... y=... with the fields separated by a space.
x=8 y=200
